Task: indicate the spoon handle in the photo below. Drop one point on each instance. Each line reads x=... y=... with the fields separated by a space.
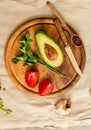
x=57 y=14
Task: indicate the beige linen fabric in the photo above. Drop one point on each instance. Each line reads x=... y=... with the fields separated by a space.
x=31 y=111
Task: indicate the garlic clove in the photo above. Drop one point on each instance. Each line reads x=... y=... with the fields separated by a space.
x=63 y=106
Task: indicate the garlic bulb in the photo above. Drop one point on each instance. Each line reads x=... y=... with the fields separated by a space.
x=63 y=106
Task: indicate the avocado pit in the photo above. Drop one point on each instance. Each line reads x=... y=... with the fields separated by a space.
x=50 y=52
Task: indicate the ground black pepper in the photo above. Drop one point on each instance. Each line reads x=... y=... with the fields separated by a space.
x=76 y=40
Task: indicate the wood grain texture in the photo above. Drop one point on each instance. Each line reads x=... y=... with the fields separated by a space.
x=17 y=71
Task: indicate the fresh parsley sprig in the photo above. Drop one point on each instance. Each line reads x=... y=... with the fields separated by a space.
x=30 y=58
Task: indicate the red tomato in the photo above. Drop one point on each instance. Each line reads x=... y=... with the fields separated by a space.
x=45 y=87
x=32 y=78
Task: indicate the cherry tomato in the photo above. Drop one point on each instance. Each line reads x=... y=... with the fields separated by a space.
x=32 y=78
x=45 y=87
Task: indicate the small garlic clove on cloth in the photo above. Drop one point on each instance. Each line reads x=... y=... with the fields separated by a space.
x=63 y=106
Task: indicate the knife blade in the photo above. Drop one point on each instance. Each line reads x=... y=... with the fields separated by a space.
x=67 y=47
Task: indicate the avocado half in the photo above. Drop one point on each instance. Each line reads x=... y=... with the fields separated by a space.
x=50 y=51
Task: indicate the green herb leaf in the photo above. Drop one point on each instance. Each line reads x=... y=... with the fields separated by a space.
x=17 y=59
x=25 y=41
x=28 y=64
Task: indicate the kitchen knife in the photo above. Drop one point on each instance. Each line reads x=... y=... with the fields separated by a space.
x=67 y=47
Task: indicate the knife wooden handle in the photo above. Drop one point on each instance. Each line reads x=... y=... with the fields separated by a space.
x=61 y=32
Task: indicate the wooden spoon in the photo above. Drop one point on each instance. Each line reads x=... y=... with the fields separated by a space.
x=75 y=39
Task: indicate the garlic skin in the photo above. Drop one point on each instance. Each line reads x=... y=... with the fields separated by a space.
x=63 y=107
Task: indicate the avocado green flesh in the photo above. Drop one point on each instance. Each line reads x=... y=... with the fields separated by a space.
x=42 y=40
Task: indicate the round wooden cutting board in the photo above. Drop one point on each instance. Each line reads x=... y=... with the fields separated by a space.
x=17 y=71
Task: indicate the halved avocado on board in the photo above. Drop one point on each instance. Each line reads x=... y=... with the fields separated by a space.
x=50 y=51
